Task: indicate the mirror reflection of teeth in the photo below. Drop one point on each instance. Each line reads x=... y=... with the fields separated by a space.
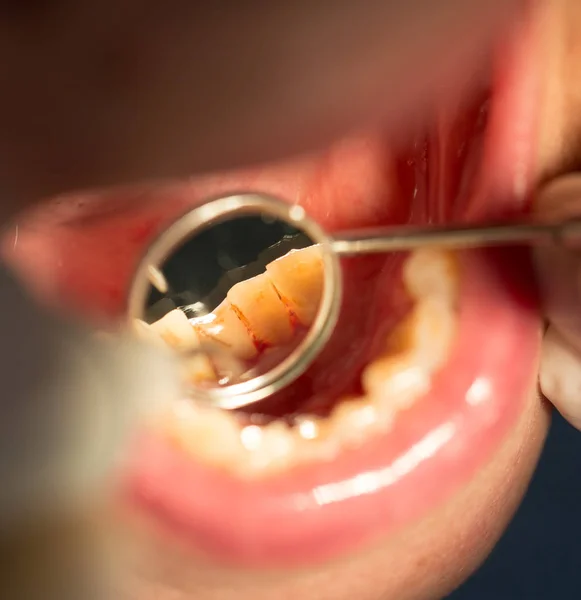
x=298 y=279
x=287 y=294
x=261 y=312
x=223 y=329
x=175 y=330
x=416 y=348
x=270 y=309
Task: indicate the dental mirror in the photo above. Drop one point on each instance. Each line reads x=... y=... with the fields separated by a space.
x=246 y=288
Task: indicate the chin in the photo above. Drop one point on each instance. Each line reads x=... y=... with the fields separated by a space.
x=395 y=495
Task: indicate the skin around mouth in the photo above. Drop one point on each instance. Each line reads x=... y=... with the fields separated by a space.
x=434 y=449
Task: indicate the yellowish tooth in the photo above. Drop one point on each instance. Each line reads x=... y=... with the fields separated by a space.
x=279 y=441
x=199 y=369
x=430 y=273
x=395 y=382
x=271 y=447
x=433 y=333
x=212 y=434
x=299 y=278
x=251 y=437
x=353 y=420
x=314 y=439
x=175 y=329
x=260 y=306
x=224 y=328
x=307 y=427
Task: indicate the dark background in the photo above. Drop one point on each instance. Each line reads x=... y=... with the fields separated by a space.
x=539 y=557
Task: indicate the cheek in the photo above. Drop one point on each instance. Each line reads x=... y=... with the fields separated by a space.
x=423 y=562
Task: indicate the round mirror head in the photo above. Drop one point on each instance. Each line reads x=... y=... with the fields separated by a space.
x=246 y=288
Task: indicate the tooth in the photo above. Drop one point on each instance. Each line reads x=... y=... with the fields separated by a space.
x=264 y=308
x=353 y=420
x=198 y=369
x=225 y=330
x=307 y=427
x=175 y=329
x=251 y=437
x=269 y=447
x=432 y=332
x=395 y=382
x=430 y=273
x=211 y=434
x=261 y=308
x=298 y=276
x=314 y=438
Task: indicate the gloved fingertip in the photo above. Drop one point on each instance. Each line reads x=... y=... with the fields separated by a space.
x=558 y=268
x=560 y=376
x=559 y=276
x=558 y=273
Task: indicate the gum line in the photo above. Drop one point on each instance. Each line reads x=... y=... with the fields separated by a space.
x=414 y=351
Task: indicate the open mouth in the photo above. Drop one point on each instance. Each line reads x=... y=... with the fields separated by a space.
x=420 y=382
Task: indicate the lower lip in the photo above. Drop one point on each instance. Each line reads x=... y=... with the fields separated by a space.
x=318 y=511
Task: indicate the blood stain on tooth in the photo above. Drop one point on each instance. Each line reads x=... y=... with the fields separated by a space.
x=298 y=276
x=268 y=311
x=224 y=327
x=266 y=315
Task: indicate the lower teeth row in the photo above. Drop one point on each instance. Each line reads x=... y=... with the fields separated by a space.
x=417 y=348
